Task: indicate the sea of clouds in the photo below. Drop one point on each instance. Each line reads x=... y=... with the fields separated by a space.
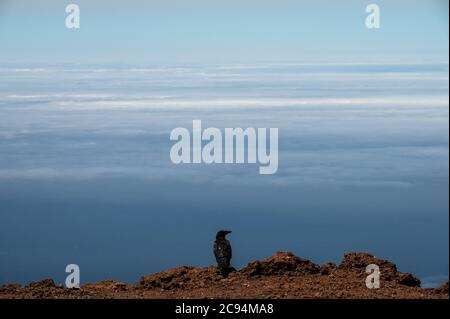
x=338 y=124
x=84 y=159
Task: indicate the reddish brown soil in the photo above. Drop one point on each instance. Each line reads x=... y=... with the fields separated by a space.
x=282 y=275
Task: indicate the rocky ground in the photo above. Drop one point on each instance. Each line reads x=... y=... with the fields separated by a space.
x=282 y=275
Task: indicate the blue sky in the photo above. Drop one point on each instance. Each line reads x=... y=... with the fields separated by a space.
x=217 y=32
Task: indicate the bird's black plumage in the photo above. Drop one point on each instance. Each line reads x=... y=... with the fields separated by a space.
x=223 y=252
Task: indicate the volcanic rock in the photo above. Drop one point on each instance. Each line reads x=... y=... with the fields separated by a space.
x=282 y=263
x=328 y=268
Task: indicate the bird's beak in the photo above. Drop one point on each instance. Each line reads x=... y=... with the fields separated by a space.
x=228 y=231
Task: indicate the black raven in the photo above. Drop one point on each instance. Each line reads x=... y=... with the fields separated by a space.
x=222 y=252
